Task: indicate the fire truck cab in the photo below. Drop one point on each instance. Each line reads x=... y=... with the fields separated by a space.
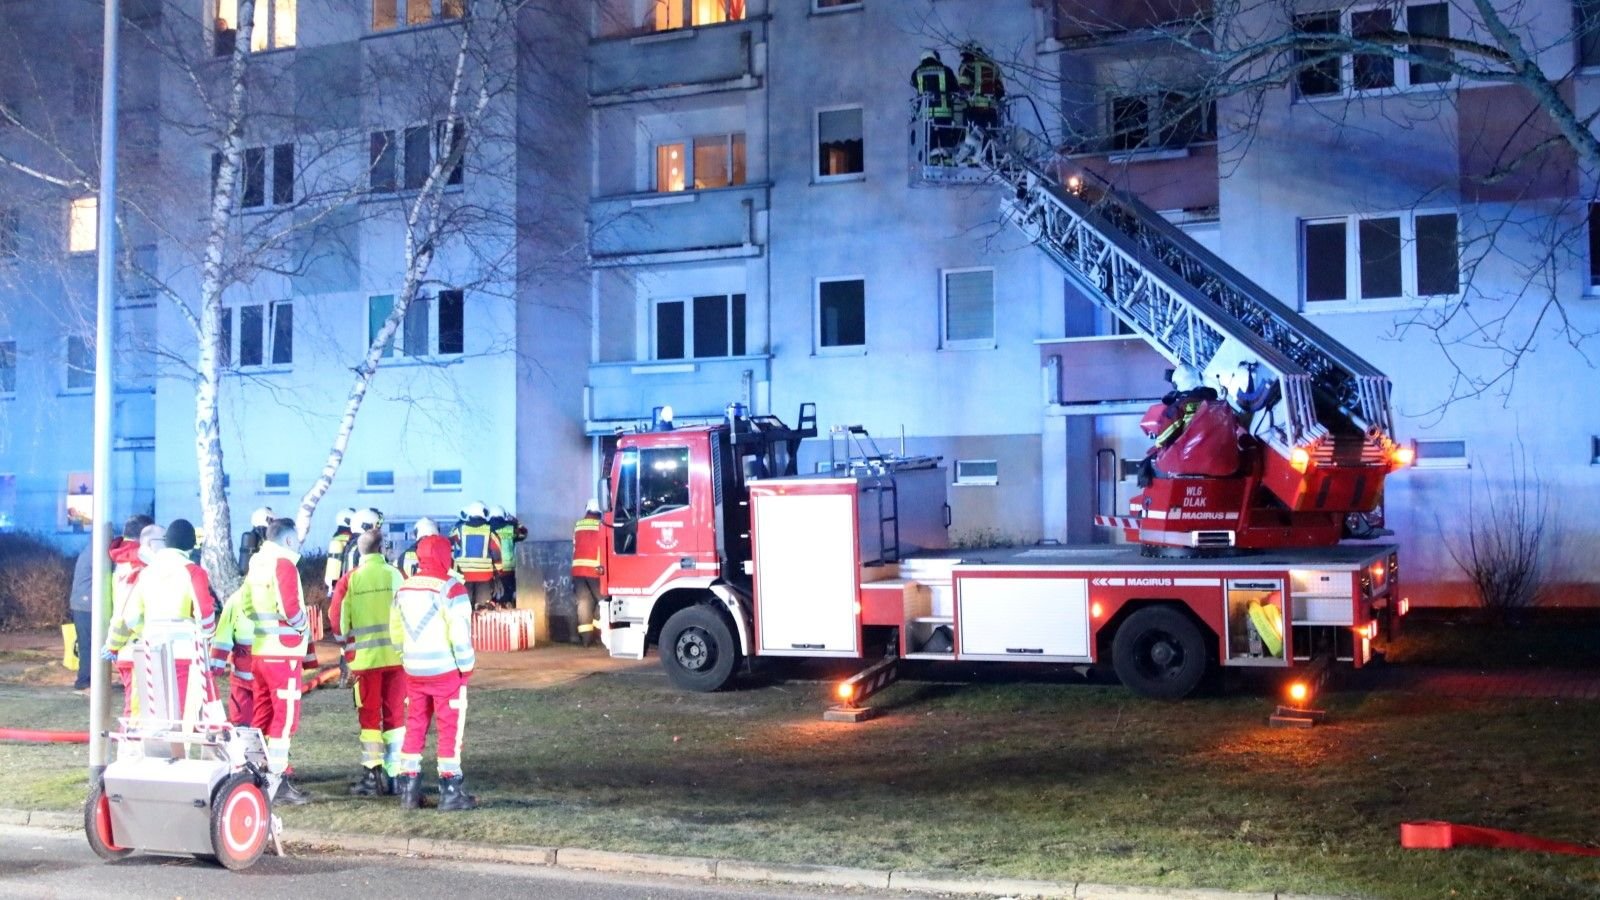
x=717 y=551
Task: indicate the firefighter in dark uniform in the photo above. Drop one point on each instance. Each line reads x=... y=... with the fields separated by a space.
x=980 y=83
x=940 y=108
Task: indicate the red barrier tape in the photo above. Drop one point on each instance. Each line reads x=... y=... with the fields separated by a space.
x=44 y=737
x=1446 y=835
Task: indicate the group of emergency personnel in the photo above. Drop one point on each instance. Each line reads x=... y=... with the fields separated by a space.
x=406 y=638
x=483 y=549
x=954 y=103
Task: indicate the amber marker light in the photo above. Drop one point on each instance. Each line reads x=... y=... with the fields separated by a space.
x=1075 y=183
x=1401 y=457
x=846 y=691
x=1298 y=692
x=1300 y=459
x=1096 y=610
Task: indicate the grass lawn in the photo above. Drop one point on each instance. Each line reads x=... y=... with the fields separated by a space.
x=1028 y=779
x=1547 y=639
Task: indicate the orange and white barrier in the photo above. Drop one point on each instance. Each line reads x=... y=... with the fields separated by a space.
x=502 y=630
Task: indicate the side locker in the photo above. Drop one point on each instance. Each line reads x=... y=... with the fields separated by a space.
x=807 y=581
x=1021 y=616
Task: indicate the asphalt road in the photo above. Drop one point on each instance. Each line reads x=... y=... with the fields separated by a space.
x=45 y=864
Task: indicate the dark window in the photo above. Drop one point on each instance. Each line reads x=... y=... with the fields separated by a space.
x=414 y=331
x=381 y=160
x=8 y=367
x=417 y=160
x=1594 y=244
x=1438 y=257
x=1325 y=261
x=452 y=322
x=380 y=478
x=1187 y=119
x=1432 y=450
x=283 y=173
x=225 y=340
x=446 y=477
x=1380 y=257
x=1587 y=14
x=251 y=332
x=1317 y=63
x=839 y=144
x=80 y=364
x=9 y=227
x=669 y=329
x=663 y=480
x=1432 y=20
x=842 y=313
x=216 y=172
x=1130 y=122
x=711 y=326
x=457 y=140
x=738 y=325
x=255 y=177
x=282 y=333
x=1372 y=70
x=276 y=481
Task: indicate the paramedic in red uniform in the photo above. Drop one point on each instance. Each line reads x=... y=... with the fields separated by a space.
x=274 y=603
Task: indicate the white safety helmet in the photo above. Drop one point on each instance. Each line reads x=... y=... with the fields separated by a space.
x=346 y=516
x=426 y=527
x=498 y=512
x=593 y=507
x=365 y=519
x=262 y=517
x=475 y=510
x=1185 y=378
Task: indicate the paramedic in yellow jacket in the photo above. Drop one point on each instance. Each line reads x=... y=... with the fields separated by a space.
x=360 y=612
x=171 y=603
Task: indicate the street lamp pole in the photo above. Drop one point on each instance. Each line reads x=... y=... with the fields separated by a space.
x=105 y=299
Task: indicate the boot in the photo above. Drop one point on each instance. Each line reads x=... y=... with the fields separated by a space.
x=453 y=796
x=409 y=786
x=289 y=795
x=374 y=783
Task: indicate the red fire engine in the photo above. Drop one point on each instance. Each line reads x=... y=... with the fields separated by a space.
x=717 y=550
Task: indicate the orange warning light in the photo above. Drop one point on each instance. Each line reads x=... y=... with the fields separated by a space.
x=1298 y=692
x=1405 y=605
x=1074 y=183
x=846 y=691
x=1401 y=457
x=1300 y=459
x=1096 y=610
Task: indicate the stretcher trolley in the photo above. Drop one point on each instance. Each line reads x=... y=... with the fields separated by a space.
x=182 y=786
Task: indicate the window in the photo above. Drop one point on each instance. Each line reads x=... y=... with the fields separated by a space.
x=253 y=163
x=85 y=90
x=10 y=228
x=77 y=512
x=1594 y=245
x=83 y=224
x=8 y=367
x=666 y=15
x=80 y=365
x=977 y=471
x=1167 y=119
x=1381 y=257
x=433 y=326
x=388 y=14
x=274 y=26
x=1323 y=71
x=840 y=152
x=841 y=314
x=1440 y=454
x=701 y=327
x=275 y=483
x=444 y=480
x=663 y=480
x=968 y=308
x=716 y=161
x=404 y=158
x=1587 y=15
x=378 y=480
x=266 y=335
x=831 y=5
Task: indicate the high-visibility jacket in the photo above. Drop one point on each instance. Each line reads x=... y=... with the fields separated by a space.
x=506 y=535
x=333 y=570
x=171 y=603
x=123 y=577
x=272 y=597
x=935 y=81
x=980 y=78
x=586 y=547
x=431 y=622
x=361 y=609
x=409 y=564
x=235 y=631
x=477 y=551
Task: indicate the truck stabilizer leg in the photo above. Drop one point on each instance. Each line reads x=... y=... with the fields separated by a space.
x=862 y=685
x=1302 y=691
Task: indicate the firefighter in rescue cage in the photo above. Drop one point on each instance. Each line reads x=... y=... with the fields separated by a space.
x=940 y=107
x=979 y=77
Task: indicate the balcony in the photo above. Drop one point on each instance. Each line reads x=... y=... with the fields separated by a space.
x=683 y=226
x=625 y=393
x=677 y=63
x=1101 y=370
x=1088 y=24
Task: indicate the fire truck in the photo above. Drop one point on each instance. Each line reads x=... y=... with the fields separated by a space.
x=717 y=550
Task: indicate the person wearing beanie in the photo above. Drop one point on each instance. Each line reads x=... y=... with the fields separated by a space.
x=172 y=603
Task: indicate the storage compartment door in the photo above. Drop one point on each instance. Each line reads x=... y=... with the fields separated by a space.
x=806 y=574
x=1021 y=619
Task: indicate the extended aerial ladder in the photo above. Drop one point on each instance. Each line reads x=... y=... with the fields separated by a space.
x=1319 y=414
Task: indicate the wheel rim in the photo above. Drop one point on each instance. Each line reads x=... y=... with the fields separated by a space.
x=243 y=821
x=695 y=650
x=1159 y=655
x=102 y=823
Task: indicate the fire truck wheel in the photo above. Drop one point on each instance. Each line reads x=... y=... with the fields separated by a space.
x=240 y=819
x=97 y=825
x=698 y=650
x=1159 y=652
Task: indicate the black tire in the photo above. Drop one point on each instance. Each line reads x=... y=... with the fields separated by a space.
x=1159 y=652
x=698 y=649
x=97 y=825
x=241 y=822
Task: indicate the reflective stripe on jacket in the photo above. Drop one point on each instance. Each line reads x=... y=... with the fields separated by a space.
x=507 y=536
x=475 y=551
x=980 y=78
x=333 y=570
x=272 y=597
x=586 y=547
x=364 y=614
x=170 y=604
x=431 y=622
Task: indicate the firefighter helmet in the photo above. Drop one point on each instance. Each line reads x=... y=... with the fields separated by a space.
x=365 y=519
x=498 y=512
x=475 y=510
x=346 y=515
x=425 y=527
x=262 y=517
x=1185 y=378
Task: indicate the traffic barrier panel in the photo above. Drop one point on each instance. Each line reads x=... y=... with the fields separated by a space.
x=502 y=630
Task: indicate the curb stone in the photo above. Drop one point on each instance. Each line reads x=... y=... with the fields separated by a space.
x=639 y=863
x=702 y=868
x=833 y=876
x=956 y=883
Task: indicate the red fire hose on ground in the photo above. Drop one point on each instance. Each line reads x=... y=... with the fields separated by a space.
x=1448 y=835
x=44 y=737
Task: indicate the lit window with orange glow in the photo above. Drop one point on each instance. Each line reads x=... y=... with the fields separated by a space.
x=83 y=224
x=671 y=166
